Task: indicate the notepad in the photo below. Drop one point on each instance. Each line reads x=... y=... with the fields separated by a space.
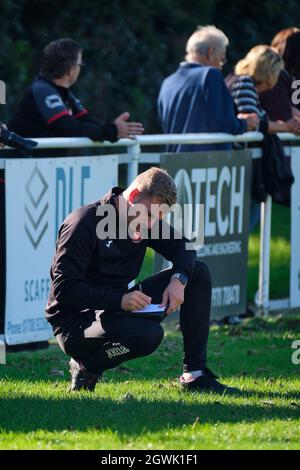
x=151 y=308
x=152 y=312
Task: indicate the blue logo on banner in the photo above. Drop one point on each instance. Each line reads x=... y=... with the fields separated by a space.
x=64 y=192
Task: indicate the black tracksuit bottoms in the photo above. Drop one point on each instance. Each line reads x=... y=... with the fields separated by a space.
x=105 y=339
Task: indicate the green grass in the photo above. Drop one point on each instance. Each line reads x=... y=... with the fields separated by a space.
x=140 y=405
x=280 y=256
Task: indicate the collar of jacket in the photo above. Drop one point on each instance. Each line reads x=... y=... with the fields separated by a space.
x=190 y=64
x=108 y=197
x=61 y=89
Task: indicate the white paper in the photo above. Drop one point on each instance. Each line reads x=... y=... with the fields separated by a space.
x=150 y=309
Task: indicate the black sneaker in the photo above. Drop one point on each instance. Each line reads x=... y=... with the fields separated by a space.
x=81 y=379
x=208 y=383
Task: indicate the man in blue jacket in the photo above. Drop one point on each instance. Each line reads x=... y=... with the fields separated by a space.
x=195 y=98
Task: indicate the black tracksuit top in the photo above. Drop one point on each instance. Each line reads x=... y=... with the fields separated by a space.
x=49 y=110
x=90 y=273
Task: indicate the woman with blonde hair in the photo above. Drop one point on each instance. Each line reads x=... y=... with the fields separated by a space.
x=258 y=72
x=279 y=102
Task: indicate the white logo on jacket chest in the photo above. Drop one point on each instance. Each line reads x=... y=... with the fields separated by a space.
x=108 y=243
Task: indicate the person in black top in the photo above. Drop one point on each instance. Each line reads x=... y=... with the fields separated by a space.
x=90 y=306
x=258 y=72
x=281 y=102
x=49 y=108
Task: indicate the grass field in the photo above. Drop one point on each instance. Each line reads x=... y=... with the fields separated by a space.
x=140 y=405
x=280 y=255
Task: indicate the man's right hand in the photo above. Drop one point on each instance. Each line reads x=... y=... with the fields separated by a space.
x=252 y=121
x=135 y=300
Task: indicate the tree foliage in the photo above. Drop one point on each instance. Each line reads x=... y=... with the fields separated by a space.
x=129 y=46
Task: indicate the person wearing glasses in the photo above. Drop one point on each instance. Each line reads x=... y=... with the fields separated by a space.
x=50 y=109
x=195 y=98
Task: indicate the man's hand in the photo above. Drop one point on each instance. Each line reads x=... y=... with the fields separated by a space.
x=128 y=130
x=173 y=295
x=135 y=300
x=252 y=120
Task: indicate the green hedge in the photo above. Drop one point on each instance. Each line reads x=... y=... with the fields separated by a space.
x=129 y=45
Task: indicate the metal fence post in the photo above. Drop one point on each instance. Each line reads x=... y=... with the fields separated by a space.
x=262 y=297
x=134 y=152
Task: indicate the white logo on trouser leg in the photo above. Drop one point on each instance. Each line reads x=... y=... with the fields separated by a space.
x=117 y=351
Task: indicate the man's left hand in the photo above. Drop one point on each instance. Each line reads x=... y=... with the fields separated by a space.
x=173 y=295
x=126 y=129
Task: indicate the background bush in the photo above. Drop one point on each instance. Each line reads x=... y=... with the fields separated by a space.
x=129 y=45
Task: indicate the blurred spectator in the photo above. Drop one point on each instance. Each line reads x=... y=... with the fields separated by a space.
x=291 y=54
x=278 y=101
x=195 y=97
x=49 y=108
x=279 y=40
x=256 y=73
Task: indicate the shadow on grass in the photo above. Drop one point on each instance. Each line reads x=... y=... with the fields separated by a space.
x=128 y=417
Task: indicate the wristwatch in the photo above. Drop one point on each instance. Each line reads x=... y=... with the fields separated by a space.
x=181 y=277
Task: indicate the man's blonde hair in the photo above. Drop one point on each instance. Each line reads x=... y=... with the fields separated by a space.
x=156 y=182
x=204 y=38
x=262 y=63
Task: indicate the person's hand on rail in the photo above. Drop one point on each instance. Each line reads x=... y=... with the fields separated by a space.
x=252 y=121
x=128 y=129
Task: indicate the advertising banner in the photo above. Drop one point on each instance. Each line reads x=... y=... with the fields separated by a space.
x=39 y=194
x=221 y=181
x=295 y=231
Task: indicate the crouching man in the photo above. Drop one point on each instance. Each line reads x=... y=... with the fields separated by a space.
x=90 y=304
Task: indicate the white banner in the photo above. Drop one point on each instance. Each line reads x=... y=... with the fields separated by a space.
x=40 y=193
x=295 y=231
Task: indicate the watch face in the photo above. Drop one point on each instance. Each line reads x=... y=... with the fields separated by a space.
x=181 y=278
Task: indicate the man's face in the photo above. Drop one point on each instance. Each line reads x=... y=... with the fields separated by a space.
x=75 y=69
x=217 y=56
x=146 y=214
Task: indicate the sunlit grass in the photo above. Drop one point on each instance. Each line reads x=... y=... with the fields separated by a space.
x=140 y=405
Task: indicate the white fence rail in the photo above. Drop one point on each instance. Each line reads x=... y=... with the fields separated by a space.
x=134 y=155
